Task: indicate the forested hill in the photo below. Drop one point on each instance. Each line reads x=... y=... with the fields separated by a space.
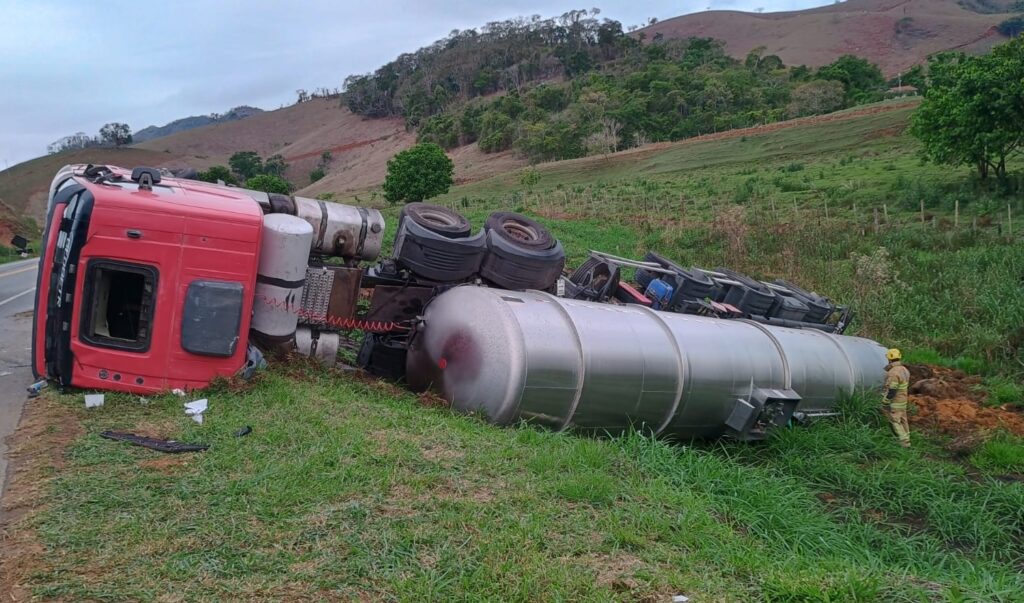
x=577 y=84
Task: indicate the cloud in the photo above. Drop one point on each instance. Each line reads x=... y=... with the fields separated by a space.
x=72 y=66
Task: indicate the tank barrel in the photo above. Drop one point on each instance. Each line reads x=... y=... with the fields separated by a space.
x=596 y=367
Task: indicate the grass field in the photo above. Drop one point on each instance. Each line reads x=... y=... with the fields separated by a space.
x=346 y=490
x=354 y=490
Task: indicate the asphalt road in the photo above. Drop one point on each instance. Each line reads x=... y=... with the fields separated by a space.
x=17 y=294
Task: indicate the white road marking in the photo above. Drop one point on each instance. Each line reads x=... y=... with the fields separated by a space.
x=14 y=297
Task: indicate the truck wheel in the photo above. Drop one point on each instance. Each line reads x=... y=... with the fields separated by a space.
x=437 y=219
x=519 y=230
x=438 y=257
x=512 y=265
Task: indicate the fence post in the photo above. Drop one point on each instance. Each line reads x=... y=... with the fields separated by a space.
x=956 y=214
x=922 y=211
x=876 y=220
x=885 y=208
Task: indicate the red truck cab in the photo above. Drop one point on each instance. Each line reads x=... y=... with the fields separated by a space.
x=145 y=281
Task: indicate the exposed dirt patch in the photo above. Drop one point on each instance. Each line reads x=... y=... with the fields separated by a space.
x=951 y=402
x=618 y=571
x=6 y=233
x=36 y=450
x=161 y=430
x=960 y=415
x=432 y=400
x=892 y=35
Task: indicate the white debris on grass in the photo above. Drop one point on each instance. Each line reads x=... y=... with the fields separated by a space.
x=93 y=400
x=178 y=392
x=680 y=599
x=196 y=408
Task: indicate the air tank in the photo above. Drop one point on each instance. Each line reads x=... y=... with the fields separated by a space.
x=564 y=363
x=322 y=345
x=341 y=230
x=280 y=277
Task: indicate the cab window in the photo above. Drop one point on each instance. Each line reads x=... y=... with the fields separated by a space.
x=119 y=303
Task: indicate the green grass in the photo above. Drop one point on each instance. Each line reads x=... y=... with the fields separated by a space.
x=347 y=490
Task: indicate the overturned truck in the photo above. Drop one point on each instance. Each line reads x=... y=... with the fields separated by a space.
x=149 y=282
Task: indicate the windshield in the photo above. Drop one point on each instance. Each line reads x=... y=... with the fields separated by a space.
x=74 y=226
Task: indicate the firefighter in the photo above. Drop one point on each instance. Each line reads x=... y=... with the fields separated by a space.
x=897 y=379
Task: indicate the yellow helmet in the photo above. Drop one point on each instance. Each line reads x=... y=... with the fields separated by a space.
x=893 y=354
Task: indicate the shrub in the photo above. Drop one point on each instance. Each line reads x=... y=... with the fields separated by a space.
x=269 y=184
x=1012 y=27
x=218 y=172
x=418 y=173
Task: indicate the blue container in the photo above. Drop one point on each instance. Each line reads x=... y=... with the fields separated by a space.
x=660 y=293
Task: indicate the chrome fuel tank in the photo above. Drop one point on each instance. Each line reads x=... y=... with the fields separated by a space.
x=571 y=364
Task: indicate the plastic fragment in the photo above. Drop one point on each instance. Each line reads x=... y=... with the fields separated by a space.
x=195 y=409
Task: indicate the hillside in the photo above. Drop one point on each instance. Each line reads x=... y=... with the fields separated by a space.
x=802 y=200
x=24 y=186
x=894 y=34
x=194 y=121
x=609 y=94
x=360 y=148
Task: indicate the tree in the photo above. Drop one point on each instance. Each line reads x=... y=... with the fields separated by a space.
x=973 y=111
x=116 y=133
x=1012 y=27
x=418 y=173
x=246 y=164
x=275 y=166
x=269 y=184
x=815 y=98
x=218 y=172
x=79 y=140
x=863 y=80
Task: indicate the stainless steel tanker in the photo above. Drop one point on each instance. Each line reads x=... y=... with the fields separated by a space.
x=598 y=367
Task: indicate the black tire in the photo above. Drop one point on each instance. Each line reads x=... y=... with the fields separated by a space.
x=597 y=280
x=519 y=230
x=436 y=257
x=511 y=266
x=437 y=219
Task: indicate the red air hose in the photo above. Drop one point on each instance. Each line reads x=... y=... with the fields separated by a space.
x=337 y=322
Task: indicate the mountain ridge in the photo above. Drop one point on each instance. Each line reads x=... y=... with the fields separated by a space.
x=195 y=121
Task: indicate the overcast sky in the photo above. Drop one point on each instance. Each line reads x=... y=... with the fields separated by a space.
x=69 y=66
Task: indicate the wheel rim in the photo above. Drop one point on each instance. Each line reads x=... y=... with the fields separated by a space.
x=436 y=218
x=520 y=231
